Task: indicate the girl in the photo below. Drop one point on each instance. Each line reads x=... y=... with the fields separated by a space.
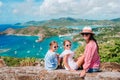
x=67 y=55
x=51 y=58
x=91 y=56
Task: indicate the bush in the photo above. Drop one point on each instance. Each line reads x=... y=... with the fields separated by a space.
x=10 y=61
x=36 y=31
x=79 y=51
x=27 y=62
x=110 y=52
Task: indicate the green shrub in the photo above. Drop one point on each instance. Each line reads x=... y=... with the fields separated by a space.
x=11 y=61
x=27 y=61
x=110 y=52
x=36 y=31
x=79 y=51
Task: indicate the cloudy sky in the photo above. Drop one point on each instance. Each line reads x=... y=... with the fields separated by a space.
x=13 y=11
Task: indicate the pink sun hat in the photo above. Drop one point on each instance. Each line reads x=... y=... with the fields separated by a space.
x=87 y=29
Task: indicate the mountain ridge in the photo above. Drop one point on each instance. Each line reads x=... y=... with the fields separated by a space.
x=116 y=19
x=68 y=21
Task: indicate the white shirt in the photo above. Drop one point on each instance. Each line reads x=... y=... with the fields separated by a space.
x=71 y=61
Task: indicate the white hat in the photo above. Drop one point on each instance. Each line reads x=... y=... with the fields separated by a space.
x=87 y=29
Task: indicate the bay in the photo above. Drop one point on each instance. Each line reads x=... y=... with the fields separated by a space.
x=25 y=46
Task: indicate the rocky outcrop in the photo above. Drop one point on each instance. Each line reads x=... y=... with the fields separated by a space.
x=110 y=66
x=110 y=71
x=39 y=73
x=9 y=31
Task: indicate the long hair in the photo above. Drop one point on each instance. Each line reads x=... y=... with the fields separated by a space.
x=92 y=38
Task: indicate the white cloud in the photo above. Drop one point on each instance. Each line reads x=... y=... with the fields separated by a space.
x=91 y=9
x=15 y=11
x=80 y=8
x=1 y=3
x=113 y=5
x=57 y=7
x=25 y=8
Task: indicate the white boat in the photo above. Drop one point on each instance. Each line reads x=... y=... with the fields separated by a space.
x=4 y=50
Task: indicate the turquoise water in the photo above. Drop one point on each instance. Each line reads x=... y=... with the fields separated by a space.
x=81 y=27
x=25 y=46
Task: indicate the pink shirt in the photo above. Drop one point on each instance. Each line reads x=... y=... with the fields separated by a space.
x=92 y=59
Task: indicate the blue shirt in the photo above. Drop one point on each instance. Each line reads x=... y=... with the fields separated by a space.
x=51 y=61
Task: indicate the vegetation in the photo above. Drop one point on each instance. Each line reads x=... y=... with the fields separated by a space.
x=110 y=51
x=68 y=21
x=36 y=31
x=79 y=51
x=11 y=61
x=42 y=30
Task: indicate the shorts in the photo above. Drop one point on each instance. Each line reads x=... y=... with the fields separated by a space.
x=73 y=66
x=93 y=70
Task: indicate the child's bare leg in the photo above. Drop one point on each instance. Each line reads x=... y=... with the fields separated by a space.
x=80 y=60
x=59 y=61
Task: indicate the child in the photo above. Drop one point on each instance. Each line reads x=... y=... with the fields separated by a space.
x=51 y=58
x=67 y=55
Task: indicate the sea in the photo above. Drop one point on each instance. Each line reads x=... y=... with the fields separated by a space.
x=26 y=46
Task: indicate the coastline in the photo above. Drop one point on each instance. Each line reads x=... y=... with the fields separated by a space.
x=22 y=35
x=40 y=38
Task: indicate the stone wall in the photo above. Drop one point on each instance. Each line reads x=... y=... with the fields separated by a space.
x=39 y=73
x=110 y=71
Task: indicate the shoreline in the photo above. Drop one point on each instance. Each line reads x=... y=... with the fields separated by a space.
x=23 y=35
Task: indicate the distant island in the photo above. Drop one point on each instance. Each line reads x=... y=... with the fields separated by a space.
x=43 y=29
x=40 y=31
x=68 y=21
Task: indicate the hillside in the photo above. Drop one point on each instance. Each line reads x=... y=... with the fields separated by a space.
x=68 y=21
x=41 y=31
x=116 y=20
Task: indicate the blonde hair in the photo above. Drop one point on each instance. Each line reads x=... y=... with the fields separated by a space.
x=66 y=41
x=52 y=43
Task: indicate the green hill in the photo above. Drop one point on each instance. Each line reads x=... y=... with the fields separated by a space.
x=116 y=19
x=68 y=21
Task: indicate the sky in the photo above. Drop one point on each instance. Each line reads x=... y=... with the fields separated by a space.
x=14 y=11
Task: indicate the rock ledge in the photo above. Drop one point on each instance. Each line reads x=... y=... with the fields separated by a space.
x=39 y=73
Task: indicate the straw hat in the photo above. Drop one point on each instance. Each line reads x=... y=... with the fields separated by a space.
x=87 y=29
